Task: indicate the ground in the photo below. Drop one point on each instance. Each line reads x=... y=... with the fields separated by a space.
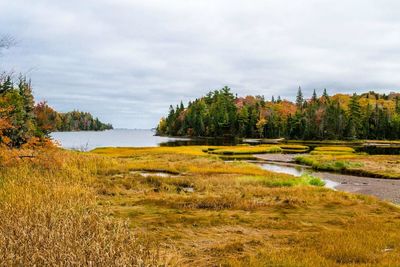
x=379 y=166
x=181 y=206
x=238 y=214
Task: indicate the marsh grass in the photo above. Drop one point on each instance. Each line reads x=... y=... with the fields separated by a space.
x=380 y=166
x=332 y=150
x=268 y=181
x=241 y=215
x=245 y=150
x=49 y=216
x=293 y=149
x=71 y=208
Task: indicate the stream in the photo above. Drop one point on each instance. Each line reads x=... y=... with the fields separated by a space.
x=385 y=189
x=297 y=171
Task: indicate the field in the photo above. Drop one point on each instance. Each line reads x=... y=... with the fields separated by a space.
x=343 y=159
x=181 y=206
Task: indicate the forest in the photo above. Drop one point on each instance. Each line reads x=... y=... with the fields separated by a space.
x=338 y=117
x=23 y=122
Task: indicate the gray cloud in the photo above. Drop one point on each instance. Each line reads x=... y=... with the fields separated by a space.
x=127 y=60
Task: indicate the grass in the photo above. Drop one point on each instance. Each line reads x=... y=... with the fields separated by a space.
x=259 y=149
x=332 y=150
x=49 y=214
x=70 y=208
x=267 y=181
x=290 y=148
x=378 y=166
x=245 y=150
x=240 y=215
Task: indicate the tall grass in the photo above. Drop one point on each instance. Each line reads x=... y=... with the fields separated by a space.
x=240 y=215
x=49 y=216
x=71 y=208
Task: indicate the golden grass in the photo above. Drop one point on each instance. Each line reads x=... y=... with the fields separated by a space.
x=130 y=152
x=69 y=208
x=332 y=150
x=236 y=214
x=49 y=216
x=245 y=150
x=383 y=166
x=294 y=147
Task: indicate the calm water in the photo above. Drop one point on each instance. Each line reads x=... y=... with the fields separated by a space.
x=114 y=138
x=296 y=171
x=126 y=138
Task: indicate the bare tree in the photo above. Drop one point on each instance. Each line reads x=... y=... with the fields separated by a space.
x=6 y=41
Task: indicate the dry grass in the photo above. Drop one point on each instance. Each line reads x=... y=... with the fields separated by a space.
x=236 y=214
x=69 y=208
x=245 y=150
x=383 y=166
x=332 y=150
x=49 y=216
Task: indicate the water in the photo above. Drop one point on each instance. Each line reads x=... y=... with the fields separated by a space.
x=296 y=171
x=88 y=140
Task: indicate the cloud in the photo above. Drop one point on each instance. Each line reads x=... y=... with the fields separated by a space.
x=127 y=61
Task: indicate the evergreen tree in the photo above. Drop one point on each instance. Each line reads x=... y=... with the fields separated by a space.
x=325 y=94
x=314 y=97
x=6 y=85
x=354 y=124
x=220 y=113
x=397 y=104
x=299 y=99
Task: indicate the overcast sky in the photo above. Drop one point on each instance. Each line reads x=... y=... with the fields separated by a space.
x=126 y=61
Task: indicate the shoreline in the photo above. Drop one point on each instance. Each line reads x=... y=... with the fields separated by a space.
x=383 y=188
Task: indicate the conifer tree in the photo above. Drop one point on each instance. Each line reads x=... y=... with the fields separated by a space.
x=314 y=98
x=354 y=124
x=299 y=99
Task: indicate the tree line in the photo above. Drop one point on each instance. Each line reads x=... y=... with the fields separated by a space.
x=50 y=120
x=338 y=117
x=22 y=121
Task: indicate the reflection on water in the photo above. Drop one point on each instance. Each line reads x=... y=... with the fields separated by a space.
x=296 y=171
x=88 y=140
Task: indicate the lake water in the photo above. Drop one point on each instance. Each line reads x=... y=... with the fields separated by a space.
x=87 y=140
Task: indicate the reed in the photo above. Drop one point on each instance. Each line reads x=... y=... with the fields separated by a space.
x=108 y=208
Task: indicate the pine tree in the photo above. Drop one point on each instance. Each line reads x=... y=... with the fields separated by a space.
x=325 y=93
x=7 y=85
x=314 y=98
x=299 y=99
x=354 y=124
x=397 y=104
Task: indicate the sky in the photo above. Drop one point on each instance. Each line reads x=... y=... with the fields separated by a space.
x=126 y=61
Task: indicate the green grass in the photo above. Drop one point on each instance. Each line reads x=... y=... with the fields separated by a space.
x=327 y=165
x=304 y=180
x=332 y=150
x=245 y=150
x=379 y=166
